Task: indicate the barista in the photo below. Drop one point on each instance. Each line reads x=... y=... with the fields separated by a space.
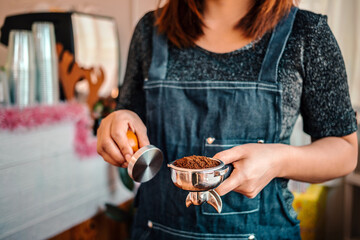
x=238 y=73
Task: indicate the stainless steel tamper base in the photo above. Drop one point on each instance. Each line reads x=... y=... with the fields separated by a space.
x=145 y=163
x=211 y=197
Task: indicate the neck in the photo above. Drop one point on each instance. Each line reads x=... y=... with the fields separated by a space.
x=227 y=12
x=220 y=19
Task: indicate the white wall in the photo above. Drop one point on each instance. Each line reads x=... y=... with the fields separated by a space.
x=344 y=21
x=125 y=12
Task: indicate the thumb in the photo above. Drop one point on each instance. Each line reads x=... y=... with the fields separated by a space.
x=230 y=155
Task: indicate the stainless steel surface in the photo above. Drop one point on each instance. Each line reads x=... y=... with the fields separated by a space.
x=200 y=183
x=145 y=163
x=47 y=85
x=198 y=198
x=20 y=68
x=198 y=179
x=4 y=89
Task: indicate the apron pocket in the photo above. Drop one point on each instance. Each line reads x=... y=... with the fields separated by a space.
x=234 y=203
x=142 y=233
x=212 y=146
x=161 y=231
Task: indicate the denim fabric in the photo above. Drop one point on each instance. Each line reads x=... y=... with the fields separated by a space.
x=181 y=115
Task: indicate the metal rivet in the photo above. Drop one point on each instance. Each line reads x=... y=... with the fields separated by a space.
x=150 y=224
x=260 y=141
x=251 y=237
x=210 y=140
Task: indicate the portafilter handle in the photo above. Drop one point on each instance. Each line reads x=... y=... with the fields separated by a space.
x=230 y=169
x=223 y=171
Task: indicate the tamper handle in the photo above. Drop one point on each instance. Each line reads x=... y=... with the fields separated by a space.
x=133 y=140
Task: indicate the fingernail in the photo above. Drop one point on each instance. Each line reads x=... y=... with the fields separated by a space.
x=128 y=157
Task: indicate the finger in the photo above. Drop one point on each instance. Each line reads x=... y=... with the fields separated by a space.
x=105 y=145
x=108 y=146
x=249 y=192
x=118 y=134
x=113 y=151
x=124 y=165
x=231 y=183
x=142 y=136
x=111 y=161
x=230 y=155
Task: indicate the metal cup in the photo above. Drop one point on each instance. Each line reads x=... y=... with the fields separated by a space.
x=4 y=89
x=20 y=68
x=201 y=183
x=198 y=179
x=47 y=87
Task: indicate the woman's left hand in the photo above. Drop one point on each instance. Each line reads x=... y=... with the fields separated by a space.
x=255 y=165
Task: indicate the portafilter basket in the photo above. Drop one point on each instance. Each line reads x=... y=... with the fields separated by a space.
x=200 y=183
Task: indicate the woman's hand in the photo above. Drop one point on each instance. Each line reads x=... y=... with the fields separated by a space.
x=255 y=165
x=112 y=143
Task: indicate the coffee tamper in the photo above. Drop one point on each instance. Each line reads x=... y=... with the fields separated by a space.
x=145 y=163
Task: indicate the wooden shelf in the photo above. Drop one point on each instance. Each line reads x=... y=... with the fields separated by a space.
x=353 y=178
x=100 y=227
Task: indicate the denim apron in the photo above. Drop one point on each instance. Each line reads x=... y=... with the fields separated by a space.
x=181 y=116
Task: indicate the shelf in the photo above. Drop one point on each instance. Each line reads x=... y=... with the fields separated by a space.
x=354 y=179
x=55 y=188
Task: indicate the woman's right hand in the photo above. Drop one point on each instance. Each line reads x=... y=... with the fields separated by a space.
x=112 y=143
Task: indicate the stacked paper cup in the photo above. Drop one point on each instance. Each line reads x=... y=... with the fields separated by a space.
x=20 y=68
x=47 y=84
x=4 y=90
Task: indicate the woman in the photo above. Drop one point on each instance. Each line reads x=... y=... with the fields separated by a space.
x=218 y=78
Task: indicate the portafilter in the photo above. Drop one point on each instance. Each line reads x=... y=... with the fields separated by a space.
x=200 y=183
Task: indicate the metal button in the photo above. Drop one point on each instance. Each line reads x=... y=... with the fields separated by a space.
x=251 y=237
x=260 y=141
x=150 y=224
x=210 y=140
x=146 y=79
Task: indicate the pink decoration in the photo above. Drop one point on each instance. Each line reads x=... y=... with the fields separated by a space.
x=31 y=117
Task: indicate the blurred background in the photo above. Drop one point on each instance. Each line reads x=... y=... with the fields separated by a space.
x=53 y=184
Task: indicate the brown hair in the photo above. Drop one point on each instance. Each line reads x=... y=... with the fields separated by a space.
x=182 y=20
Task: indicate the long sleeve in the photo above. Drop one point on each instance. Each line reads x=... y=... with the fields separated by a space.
x=131 y=94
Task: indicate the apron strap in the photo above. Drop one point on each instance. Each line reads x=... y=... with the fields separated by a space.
x=275 y=49
x=269 y=68
x=159 y=56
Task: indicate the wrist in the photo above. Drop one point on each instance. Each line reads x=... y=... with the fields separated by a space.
x=284 y=159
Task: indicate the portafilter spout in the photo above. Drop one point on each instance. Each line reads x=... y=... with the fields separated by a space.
x=211 y=197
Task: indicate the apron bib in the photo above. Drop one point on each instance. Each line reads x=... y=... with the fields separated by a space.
x=181 y=116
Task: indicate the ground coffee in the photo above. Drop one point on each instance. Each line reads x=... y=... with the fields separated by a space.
x=196 y=162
